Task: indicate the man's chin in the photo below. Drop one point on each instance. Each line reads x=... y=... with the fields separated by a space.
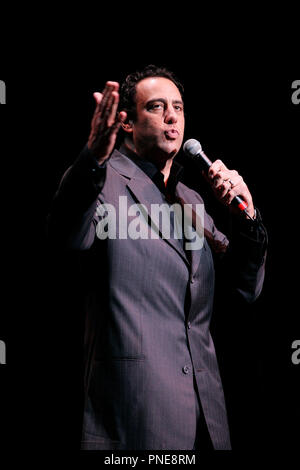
x=170 y=149
x=163 y=152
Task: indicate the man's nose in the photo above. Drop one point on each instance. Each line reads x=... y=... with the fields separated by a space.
x=170 y=116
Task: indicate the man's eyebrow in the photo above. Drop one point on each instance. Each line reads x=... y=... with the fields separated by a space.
x=163 y=100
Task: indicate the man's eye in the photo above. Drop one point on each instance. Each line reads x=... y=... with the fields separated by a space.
x=156 y=106
x=178 y=107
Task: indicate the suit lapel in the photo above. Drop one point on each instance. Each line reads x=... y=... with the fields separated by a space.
x=145 y=192
x=186 y=196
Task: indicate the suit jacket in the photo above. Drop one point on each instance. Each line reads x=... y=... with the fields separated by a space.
x=149 y=352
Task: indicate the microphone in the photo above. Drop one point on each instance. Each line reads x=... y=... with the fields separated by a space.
x=193 y=149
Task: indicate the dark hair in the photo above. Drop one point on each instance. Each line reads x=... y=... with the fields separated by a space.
x=128 y=88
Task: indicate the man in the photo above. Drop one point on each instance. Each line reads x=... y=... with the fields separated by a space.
x=152 y=378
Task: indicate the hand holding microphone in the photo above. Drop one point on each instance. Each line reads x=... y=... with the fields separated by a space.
x=228 y=186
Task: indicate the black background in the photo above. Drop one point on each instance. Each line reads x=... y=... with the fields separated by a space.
x=241 y=114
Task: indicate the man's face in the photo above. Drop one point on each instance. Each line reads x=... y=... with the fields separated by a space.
x=159 y=127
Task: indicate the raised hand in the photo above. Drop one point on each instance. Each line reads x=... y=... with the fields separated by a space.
x=105 y=123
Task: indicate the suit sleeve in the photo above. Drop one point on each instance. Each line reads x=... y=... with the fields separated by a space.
x=241 y=263
x=72 y=219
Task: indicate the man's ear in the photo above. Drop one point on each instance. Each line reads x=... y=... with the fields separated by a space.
x=127 y=126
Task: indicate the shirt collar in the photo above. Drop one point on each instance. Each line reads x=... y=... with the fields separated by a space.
x=153 y=173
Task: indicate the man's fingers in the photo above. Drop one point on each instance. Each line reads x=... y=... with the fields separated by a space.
x=219 y=177
x=227 y=184
x=121 y=118
x=114 y=108
x=106 y=100
x=224 y=188
x=98 y=97
x=227 y=179
x=106 y=106
x=105 y=122
x=237 y=190
x=109 y=113
x=215 y=168
x=114 y=85
x=103 y=102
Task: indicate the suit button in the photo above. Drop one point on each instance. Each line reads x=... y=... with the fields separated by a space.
x=189 y=325
x=186 y=369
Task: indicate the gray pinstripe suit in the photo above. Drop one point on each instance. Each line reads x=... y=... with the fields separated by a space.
x=148 y=346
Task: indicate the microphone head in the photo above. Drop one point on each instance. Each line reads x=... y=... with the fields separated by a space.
x=192 y=147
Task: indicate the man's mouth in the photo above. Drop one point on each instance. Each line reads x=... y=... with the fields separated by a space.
x=171 y=134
